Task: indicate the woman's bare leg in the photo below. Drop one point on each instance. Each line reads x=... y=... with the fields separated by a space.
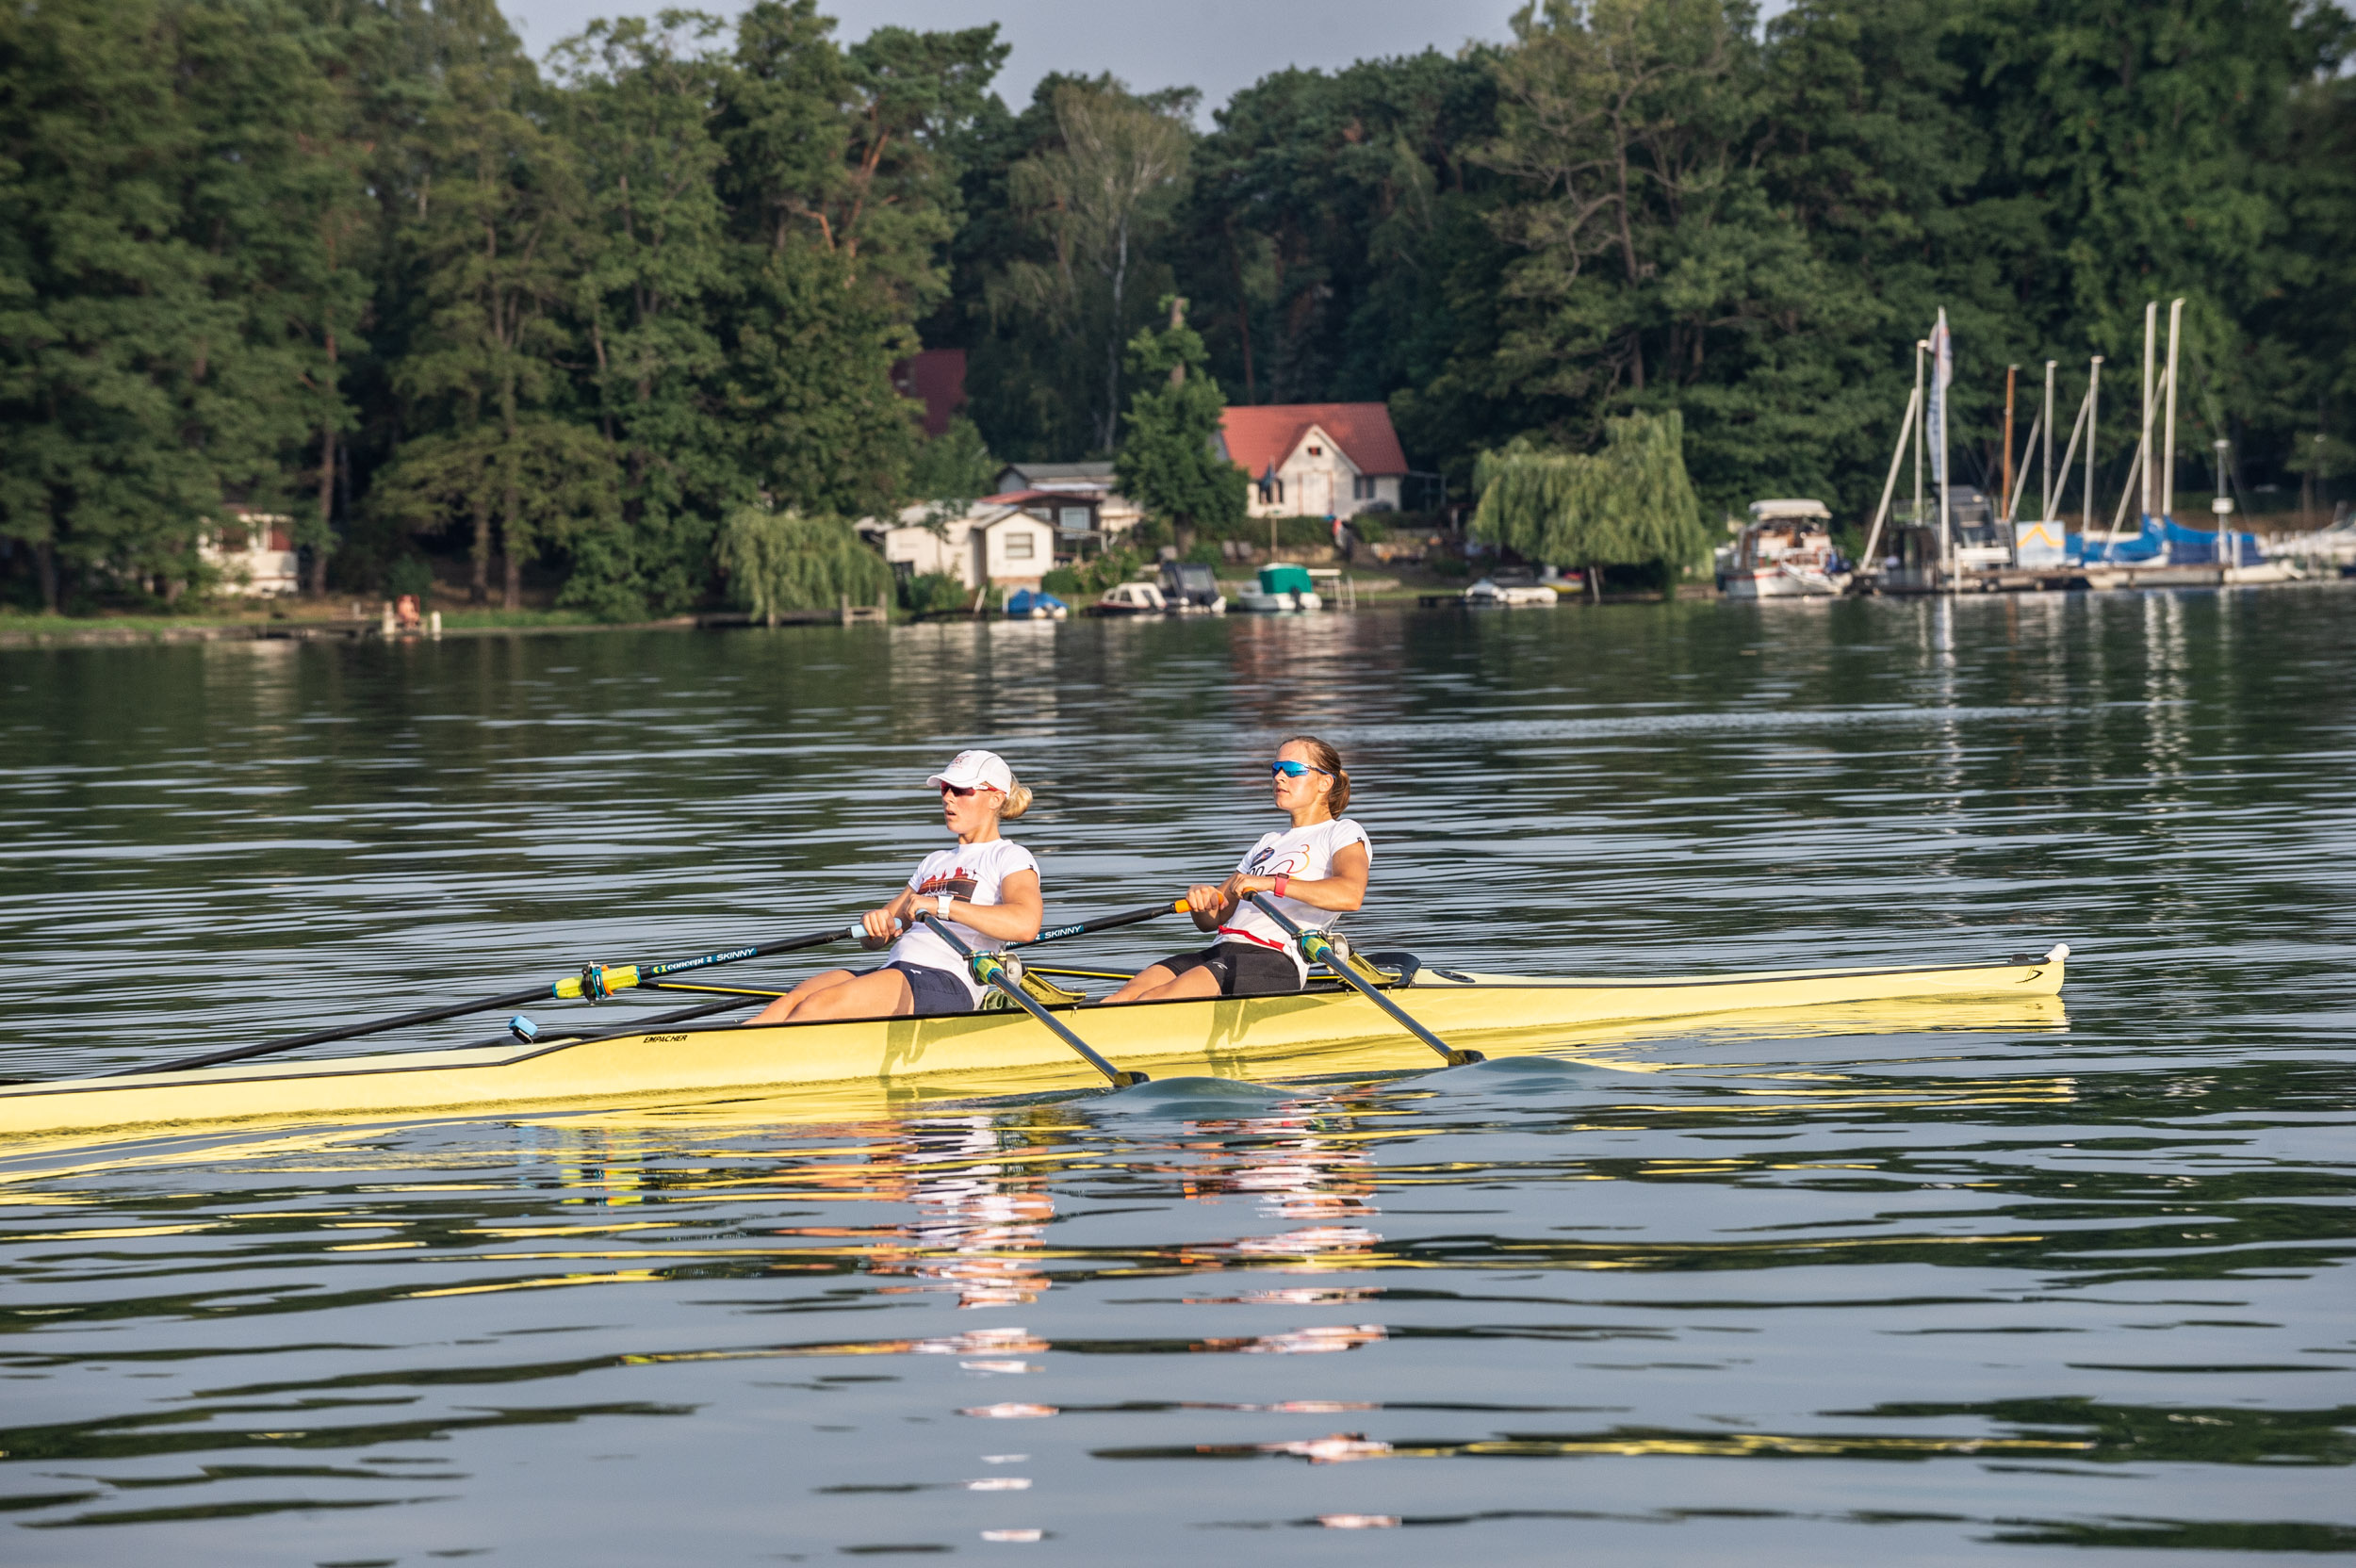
x=883 y=993
x=1156 y=983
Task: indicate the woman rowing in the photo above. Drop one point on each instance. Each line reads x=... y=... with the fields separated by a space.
x=986 y=890
x=1315 y=870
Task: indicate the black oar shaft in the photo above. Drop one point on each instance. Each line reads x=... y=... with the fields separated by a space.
x=482 y=1005
x=321 y=1036
x=991 y=970
x=1105 y=923
x=1318 y=948
x=644 y=1025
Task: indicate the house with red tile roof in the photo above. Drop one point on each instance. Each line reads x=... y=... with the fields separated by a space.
x=1316 y=460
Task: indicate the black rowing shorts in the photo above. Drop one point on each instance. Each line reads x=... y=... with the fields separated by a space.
x=934 y=992
x=1242 y=969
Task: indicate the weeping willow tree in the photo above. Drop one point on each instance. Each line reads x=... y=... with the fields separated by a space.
x=784 y=561
x=1629 y=504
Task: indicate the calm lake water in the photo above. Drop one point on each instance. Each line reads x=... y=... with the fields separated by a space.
x=1973 y=1285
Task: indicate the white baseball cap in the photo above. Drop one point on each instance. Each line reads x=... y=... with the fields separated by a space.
x=969 y=770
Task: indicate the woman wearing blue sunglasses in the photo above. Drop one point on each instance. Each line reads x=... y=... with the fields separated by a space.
x=1315 y=870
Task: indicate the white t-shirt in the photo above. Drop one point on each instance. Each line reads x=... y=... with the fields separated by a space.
x=1303 y=852
x=973 y=872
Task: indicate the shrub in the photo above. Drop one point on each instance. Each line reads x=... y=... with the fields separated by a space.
x=409 y=575
x=933 y=593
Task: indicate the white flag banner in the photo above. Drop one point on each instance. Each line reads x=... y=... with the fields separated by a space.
x=1943 y=372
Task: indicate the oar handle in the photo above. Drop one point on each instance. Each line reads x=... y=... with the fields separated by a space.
x=1105 y=923
x=1318 y=948
x=988 y=969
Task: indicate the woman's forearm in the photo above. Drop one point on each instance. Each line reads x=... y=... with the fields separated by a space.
x=1340 y=894
x=1005 y=922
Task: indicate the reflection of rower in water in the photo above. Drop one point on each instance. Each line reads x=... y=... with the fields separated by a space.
x=987 y=889
x=1315 y=870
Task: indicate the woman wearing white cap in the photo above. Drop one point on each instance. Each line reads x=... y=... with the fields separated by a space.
x=1315 y=870
x=987 y=889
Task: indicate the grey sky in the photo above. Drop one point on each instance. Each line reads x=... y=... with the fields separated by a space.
x=1218 y=45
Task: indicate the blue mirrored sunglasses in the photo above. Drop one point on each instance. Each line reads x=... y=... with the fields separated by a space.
x=1293 y=770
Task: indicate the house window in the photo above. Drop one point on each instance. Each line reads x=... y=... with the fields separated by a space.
x=1272 y=491
x=1020 y=546
x=1316 y=451
x=1362 y=488
x=1074 y=519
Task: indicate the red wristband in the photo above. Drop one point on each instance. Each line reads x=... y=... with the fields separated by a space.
x=1282 y=881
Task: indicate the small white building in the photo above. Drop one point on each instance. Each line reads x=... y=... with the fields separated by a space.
x=253 y=553
x=1065 y=488
x=996 y=542
x=1316 y=460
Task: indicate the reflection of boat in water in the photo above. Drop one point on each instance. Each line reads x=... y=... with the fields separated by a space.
x=977 y=1054
x=1784 y=552
x=1283 y=589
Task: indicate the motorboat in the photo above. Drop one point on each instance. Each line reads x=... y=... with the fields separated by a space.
x=1283 y=589
x=1130 y=599
x=1785 y=551
x=1191 y=589
x=1509 y=589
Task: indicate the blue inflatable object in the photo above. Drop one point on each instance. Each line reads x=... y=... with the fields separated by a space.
x=1026 y=601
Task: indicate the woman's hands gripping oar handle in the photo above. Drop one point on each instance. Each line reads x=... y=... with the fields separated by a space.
x=990 y=970
x=1319 y=949
x=594 y=982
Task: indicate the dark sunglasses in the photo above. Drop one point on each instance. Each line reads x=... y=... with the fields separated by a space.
x=1293 y=770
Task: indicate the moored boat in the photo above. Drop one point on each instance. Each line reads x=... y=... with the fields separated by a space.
x=1785 y=551
x=977 y=1054
x=1283 y=589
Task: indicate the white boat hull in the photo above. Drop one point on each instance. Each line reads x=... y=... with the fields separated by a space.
x=1769 y=583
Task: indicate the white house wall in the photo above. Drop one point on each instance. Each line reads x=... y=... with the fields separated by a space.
x=1321 y=485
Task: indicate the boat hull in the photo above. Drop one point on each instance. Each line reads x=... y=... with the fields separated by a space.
x=1767 y=583
x=974 y=1053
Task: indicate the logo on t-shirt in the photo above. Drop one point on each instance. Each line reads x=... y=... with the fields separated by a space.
x=1264 y=862
x=957 y=880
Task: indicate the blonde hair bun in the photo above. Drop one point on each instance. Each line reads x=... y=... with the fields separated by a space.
x=1018 y=800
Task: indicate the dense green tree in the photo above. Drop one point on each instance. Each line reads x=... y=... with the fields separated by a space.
x=176 y=181
x=495 y=239
x=842 y=190
x=953 y=467
x=637 y=101
x=1173 y=464
x=1335 y=237
x=1044 y=297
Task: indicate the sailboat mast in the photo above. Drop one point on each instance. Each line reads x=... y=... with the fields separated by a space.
x=2094 y=414
x=2045 y=483
x=2151 y=346
x=2167 y=448
x=2011 y=373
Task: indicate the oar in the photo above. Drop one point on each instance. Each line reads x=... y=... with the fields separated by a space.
x=1105 y=923
x=594 y=981
x=990 y=970
x=1319 y=949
